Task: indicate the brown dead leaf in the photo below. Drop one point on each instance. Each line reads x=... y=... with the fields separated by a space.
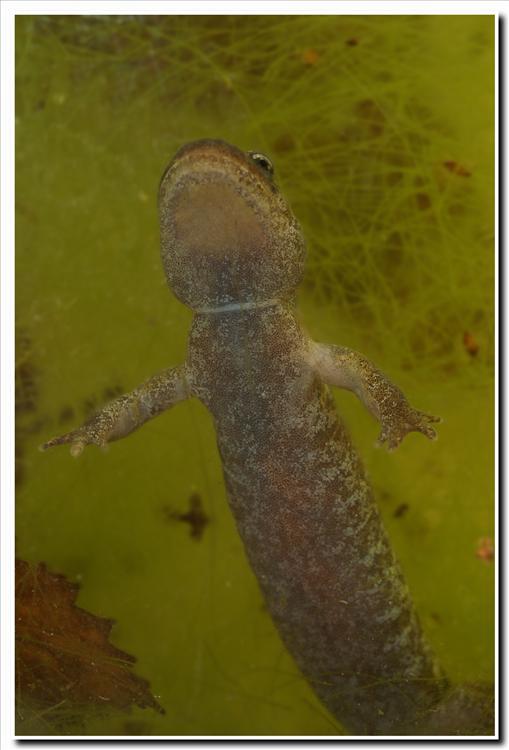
x=64 y=659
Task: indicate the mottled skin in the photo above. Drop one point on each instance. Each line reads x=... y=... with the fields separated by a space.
x=234 y=253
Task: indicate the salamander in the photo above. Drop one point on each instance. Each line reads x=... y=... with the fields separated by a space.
x=234 y=253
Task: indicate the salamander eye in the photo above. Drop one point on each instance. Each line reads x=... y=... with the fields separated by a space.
x=263 y=161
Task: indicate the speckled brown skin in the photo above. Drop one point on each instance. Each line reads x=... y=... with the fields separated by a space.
x=233 y=252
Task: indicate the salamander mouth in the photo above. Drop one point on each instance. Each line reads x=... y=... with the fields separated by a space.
x=203 y=148
x=207 y=155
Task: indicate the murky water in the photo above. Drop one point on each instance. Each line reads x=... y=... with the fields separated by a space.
x=389 y=166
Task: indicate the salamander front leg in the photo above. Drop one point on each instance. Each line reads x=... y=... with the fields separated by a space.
x=126 y=413
x=348 y=369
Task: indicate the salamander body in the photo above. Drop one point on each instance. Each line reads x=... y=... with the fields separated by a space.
x=234 y=253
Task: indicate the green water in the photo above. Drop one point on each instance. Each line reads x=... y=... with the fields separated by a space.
x=381 y=132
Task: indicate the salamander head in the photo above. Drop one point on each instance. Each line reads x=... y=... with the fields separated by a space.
x=227 y=234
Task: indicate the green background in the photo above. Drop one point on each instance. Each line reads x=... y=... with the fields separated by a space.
x=381 y=132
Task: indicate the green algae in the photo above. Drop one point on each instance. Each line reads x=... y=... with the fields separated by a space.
x=381 y=131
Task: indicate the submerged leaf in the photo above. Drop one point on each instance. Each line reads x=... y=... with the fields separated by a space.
x=65 y=665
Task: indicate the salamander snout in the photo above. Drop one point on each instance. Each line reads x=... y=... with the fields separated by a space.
x=227 y=234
